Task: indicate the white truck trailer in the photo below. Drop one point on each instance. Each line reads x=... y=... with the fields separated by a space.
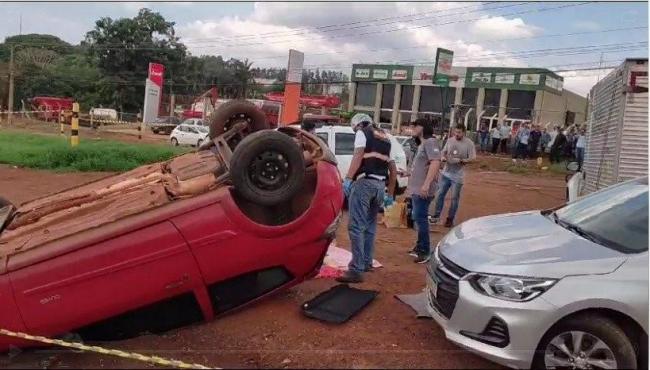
x=617 y=136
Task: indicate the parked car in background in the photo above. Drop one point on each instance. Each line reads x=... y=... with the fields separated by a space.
x=186 y=134
x=340 y=140
x=164 y=125
x=410 y=147
x=562 y=288
x=193 y=122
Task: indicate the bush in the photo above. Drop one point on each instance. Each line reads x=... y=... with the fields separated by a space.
x=55 y=153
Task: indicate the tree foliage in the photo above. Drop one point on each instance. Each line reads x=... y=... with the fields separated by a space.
x=109 y=67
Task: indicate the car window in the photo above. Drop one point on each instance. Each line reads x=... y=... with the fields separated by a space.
x=344 y=144
x=617 y=216
x=203 y=129
x=193 y=130
x=182 y=128
x=324 y=136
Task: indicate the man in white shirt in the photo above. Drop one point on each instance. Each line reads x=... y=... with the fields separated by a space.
x=581 y=144
x=364 y=186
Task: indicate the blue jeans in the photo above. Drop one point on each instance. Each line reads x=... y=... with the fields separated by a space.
x=366 y=196
x=421 y=220
x=483 y=141
x=443 y=187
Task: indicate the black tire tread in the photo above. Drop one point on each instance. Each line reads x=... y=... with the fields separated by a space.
x=228 y=109
x=248 y=149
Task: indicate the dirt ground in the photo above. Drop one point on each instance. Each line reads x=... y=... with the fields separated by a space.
x=274 y=334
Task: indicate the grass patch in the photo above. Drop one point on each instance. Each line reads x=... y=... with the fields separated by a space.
x=55 y=153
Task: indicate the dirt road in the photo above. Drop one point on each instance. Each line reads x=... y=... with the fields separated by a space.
x=273 y=333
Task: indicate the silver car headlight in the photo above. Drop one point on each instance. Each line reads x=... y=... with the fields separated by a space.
x=510 y=288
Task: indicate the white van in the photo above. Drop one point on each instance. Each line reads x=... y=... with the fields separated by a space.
x=340 y=139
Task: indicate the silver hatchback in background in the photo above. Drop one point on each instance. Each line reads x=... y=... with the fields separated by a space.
x=564 y=288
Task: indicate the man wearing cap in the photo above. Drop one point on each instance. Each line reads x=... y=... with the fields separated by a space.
x=364 y=186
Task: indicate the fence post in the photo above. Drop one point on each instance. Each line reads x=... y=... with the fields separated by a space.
x=61 y=122
x=92 y=123
x=74 y=129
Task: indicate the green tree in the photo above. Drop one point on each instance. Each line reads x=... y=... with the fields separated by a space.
x=123 y=49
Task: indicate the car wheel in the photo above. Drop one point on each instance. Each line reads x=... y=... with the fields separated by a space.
x=155 y=131
x=585 y=342
x=198 y=143
x=267 y=168
x=233 y=112
x=174 y=141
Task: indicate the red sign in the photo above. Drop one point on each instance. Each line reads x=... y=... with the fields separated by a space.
x=156 y=73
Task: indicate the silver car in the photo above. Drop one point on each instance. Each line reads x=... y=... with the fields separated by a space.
x=562 y=288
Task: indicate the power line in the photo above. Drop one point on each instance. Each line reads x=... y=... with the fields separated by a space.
x=537 y=10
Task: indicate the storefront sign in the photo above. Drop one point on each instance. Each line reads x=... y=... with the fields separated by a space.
x=399 y=74
x=481 y=77
x=153 y=92
x=362 y=73
x=381 y=74
x=504 y=78
x=529 y=79
x=294 y=70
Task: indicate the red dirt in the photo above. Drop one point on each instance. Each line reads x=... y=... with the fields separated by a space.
x=274 y=333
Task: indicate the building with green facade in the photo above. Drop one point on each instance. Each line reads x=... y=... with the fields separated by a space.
x=397 y=94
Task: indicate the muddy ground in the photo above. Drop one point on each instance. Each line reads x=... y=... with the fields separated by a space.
x=274 y=333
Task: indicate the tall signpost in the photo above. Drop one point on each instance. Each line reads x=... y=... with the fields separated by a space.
x=152 y=93
x=441 y=75
x=290 y=112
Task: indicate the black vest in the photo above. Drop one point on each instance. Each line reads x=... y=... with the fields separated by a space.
x=374 y=166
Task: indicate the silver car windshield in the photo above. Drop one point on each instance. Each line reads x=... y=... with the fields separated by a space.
x=616 y=218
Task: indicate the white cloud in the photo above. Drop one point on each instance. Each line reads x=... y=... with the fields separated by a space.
x=582 y=82
x=335 y=35
x=500 y=27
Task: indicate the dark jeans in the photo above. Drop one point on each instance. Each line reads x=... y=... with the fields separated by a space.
x=443 y=187
x=521 y=150
x=504 y=146
x=532 y=149
x=421 y=221
x=555 y=155
x=366 y=197
x=495 y=145
x=483 y=141
x=580 y=157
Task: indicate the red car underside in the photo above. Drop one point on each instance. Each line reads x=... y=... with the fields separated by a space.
x=157 y=247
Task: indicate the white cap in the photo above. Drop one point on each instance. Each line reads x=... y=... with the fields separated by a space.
x=358 y=119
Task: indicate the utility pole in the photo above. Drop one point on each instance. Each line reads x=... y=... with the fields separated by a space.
x=11 y=84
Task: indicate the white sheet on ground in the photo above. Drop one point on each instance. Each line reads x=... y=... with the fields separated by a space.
x=339 y=258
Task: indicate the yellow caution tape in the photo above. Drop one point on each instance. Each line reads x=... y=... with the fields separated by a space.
x=112 y=352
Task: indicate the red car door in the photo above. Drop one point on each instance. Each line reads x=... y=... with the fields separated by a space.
x=110 y=278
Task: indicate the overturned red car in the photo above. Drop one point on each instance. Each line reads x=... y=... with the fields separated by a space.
x=171 y=243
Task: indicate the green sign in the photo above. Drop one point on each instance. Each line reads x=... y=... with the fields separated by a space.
x=530 y=79
x=382 y=73
x=442 y=69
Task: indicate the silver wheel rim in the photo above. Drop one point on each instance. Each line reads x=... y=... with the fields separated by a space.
x=578 y=350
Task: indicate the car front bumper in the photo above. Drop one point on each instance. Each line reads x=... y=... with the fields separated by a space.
x=526 y=323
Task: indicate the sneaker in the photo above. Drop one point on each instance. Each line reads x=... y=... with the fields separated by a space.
x=434 y=220
x=449 y=223
x=350 y=277
x=422 y=258
x=413 y=252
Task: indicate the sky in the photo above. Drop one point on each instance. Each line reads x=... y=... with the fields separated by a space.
x=555 y=35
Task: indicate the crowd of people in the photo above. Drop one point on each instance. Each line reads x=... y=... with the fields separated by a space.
x=533 y=141
x=436 y=167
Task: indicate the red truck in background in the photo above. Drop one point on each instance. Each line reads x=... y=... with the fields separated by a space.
x=50 y=106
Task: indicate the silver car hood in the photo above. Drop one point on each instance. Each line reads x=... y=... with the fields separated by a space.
x=525 y=244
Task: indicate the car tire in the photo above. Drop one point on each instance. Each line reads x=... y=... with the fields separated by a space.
x=155 y=131
x=596 y=326
x=174 y=141
x=273 y=150
x=233 y=111
x=198 y=143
